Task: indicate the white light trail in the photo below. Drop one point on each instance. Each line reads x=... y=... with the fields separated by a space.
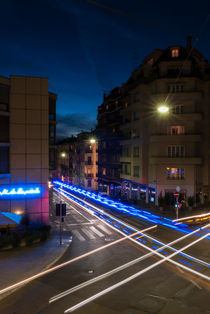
x=117 y=285
x=45 y=272
x=126 y=265
x=191 y=217
x=133 y=240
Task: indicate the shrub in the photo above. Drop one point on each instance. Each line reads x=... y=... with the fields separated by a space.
x=25 y=220
x=191 y=201
x=161 y=200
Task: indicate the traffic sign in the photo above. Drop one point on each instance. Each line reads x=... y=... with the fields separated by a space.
x=176 y=194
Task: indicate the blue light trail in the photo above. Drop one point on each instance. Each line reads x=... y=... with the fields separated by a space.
x=127 y=209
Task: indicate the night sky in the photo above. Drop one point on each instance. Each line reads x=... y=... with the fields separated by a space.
x=86 y=50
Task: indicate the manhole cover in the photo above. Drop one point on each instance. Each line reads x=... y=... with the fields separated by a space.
x=90 y=271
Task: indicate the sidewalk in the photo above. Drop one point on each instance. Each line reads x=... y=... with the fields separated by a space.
x=21 y=263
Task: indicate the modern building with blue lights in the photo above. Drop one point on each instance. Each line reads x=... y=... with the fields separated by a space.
x=27 y=136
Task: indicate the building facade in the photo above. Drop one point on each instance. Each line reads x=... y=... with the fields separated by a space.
x=163 y=150
x=24 y=146
x=78 y=161
x=109 y=134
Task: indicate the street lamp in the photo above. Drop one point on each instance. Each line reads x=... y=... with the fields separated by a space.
x=163 y=109
x=92 y=140
x=63 y=154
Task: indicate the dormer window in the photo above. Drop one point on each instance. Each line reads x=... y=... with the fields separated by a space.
x=174 y=52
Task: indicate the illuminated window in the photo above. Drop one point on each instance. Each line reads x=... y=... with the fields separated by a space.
x=89 y=171
x=104 y=171
x=176 y=151
x=107 y=107
x=175 y=53
x=175 y=173
x=176 y=130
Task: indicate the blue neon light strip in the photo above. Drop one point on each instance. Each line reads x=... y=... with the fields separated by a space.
x=19 y=191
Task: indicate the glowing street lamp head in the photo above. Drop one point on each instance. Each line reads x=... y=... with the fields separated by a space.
x=92 y=141
x=63 y=154
x=163 y=109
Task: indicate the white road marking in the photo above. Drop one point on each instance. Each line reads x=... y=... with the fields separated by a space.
x=78 y=235
x=88 y=233
x=104 y=229
x=97 y=231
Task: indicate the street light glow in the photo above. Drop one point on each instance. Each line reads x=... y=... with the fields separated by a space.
x=163 y=109
x=92 y=141
x=63 y=155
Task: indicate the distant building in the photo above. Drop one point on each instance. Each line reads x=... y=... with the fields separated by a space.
x=78 y=161
x=162 y=151
x=25 y=111
x=109 y=135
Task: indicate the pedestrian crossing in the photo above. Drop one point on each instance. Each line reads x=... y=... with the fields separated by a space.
x=91 y=233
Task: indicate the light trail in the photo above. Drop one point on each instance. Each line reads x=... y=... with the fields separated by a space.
x=117 y=285
x=124 y=266
x=127 y=209
x=134 y=229
x=45 y=272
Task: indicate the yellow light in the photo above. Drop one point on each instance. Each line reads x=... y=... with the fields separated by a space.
x=63 y=155
x=163 y=109
x=18 y=211
x=92 y=141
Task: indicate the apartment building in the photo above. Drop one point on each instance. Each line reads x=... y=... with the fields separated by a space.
x=108 y=134
x=163 y=149
x=25 y=111
x=78 y=161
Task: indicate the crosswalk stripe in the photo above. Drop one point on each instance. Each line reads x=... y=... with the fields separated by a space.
x=90 y=235
x=104 y=229
x=96 y=231
x=78 y=235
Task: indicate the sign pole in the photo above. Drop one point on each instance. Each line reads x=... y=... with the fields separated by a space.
x=60 y=223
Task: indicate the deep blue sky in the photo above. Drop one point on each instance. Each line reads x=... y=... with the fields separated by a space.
x=86 y=50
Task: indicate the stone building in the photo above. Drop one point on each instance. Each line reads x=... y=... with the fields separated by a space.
x=78 y=161
x=165 y=126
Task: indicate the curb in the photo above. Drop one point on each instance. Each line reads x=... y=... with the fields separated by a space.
x=6 y=294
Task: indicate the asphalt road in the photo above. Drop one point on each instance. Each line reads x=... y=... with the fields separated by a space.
x=164 y=289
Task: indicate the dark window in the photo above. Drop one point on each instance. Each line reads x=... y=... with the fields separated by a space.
x=136 y=171
x=89 y=160
x=4 y=159
x=52 y=108
x=89 y=183
x=136 y=151
x=52 y=159
x=4 y=98
x=52 y=134
x=4 y=129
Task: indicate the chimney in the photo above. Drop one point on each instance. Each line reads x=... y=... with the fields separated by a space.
x=189 y=45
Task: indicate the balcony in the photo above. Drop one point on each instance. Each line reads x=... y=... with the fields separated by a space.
x=88 y=151
x=182 y=138
x=176 y=161
x=88 y=163
x=88 y=175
